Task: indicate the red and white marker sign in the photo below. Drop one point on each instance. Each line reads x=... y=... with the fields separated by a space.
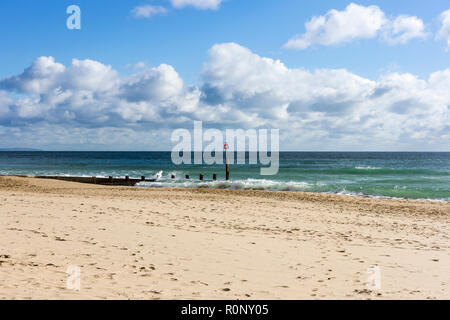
x=225 y=146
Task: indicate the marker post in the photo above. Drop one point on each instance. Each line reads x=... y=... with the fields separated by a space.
x=227 y=164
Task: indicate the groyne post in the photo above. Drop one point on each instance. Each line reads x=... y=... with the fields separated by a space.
x=227 y=163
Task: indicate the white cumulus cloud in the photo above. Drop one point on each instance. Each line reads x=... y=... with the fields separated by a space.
x=340 y=26
x=38 y=78
x=314 y=109
x=199 y=4
x=356 y=22
x=405 y=28
x=148 y=11
x=444 y=32
x=327 y=104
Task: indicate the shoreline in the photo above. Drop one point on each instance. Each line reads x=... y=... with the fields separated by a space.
x=120 y=182
x=152 y=243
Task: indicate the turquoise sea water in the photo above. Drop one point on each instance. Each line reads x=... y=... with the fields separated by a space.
x=396 y=175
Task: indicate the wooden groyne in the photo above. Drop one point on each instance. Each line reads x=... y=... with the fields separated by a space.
x=100 y=181
x=110 y=181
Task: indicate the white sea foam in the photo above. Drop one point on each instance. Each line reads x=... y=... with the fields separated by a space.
x=248 y=184
x=260 y=184
x=158 y=175
x=164 y=179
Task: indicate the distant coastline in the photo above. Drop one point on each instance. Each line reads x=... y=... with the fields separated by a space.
x=18 y=149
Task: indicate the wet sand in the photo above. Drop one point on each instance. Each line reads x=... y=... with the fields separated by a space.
x=136 y=243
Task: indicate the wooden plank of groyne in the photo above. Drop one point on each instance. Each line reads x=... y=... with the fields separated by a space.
x=101 y=181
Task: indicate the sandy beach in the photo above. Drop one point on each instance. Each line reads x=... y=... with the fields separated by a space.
x=141 y=243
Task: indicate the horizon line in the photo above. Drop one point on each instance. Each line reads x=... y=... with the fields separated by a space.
x=285 y=151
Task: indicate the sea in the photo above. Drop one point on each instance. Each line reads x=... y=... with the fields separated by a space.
x=408 y=175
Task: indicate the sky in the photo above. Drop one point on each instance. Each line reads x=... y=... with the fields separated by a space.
x=330 y=75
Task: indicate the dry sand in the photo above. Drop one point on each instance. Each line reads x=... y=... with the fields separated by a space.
x=135 y=243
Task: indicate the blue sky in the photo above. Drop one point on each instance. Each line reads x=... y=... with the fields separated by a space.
x=182 y=38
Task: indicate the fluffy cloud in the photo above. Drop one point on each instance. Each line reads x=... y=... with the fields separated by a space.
x=444 y=32
x=405 y=28
x=161 y=83
x=89 y=75
x=45 y=75
x=199 y=4
x=91 y=93
x=320 y=109
x=266 y=89
x=37 y=78
x=5 y=102
x=356 y=22
x=340 y=26
x=328 y=105
x=148 y=11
